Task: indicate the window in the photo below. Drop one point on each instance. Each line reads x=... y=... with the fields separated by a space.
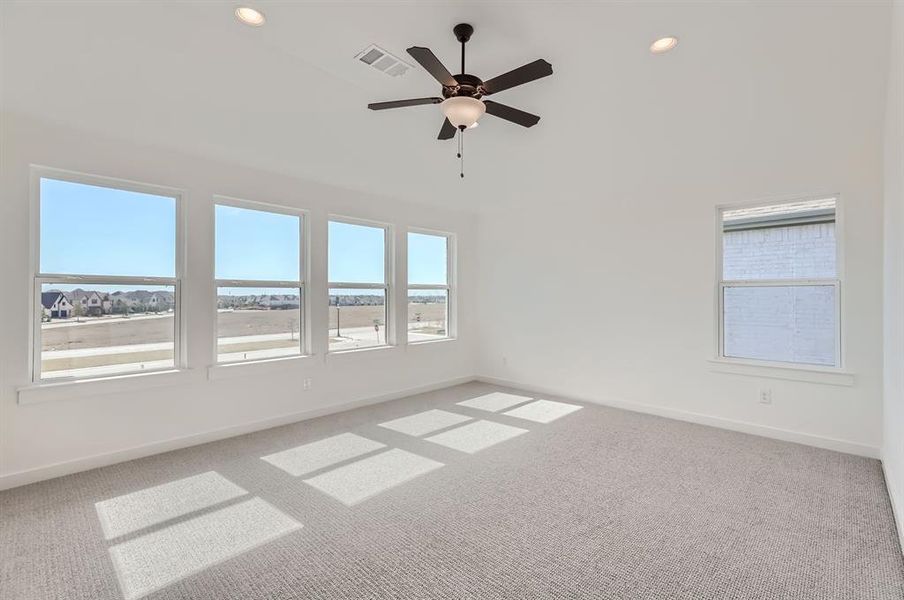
x=260 y=284
x=358 y=288
x=779 y=289
x=428 y=286
x=107 y=277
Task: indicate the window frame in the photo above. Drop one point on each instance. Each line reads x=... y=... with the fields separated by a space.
x=449 y=287
x=304 y=340
x=388 y=277
x=38 y=172
x=836 y=282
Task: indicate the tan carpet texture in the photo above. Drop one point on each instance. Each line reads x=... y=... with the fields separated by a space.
x=469 y=492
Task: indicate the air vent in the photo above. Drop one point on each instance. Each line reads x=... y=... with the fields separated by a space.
x=383 y=61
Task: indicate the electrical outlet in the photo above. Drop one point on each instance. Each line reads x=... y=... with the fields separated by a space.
x=765 y=396
x=504 y=361
x=306 y=384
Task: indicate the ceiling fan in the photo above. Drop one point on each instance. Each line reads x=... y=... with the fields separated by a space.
x=462 y=101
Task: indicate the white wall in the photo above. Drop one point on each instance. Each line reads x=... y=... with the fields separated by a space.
x=98 y=427
x=893 y=447
x=599 y=283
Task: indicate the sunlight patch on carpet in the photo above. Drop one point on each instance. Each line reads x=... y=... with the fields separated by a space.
x=323 y=453
x=495 y=401
x=154 y=505
x=156 y=560
x=363 y=479
x=543 y=411
x=477 y=436
x=425 y=422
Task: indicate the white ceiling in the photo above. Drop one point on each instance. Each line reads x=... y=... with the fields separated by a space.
x=290 y=97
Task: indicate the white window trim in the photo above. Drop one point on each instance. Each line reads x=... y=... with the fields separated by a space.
x=304 y=340
x=450 y=285
x=777 y=369
x=51 y=390
x=37 y=172
x=389 y=329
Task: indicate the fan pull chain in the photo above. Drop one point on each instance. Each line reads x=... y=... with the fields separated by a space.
x=461 y=150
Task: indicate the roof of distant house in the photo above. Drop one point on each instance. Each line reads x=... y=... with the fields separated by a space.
x=48 y=299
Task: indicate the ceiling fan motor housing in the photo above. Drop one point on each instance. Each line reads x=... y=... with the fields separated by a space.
x=468 y=85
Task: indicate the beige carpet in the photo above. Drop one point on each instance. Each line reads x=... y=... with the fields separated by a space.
x=501 y=496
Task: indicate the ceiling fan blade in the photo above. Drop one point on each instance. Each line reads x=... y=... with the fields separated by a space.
x=428 y=60
x=403 y=103
x=524 y=74
x=447 y=131
x=508 y=113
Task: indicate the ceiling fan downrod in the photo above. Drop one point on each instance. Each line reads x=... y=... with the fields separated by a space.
x=463 y=33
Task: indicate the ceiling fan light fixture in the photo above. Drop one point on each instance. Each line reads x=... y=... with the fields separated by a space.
x=462 y=111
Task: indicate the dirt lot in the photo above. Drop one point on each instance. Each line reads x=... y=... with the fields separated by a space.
x=363 y=316
x=122 y=332
x=115 y=332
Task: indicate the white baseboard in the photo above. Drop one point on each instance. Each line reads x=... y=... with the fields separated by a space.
x=20 y=478
x=897 y=506
x=701 y=419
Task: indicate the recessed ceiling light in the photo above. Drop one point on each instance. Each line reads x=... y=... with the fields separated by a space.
x=250 y=16
x=663 y=45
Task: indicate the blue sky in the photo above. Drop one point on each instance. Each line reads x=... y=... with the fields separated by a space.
x=92 y=230
x=253 y=244
x=426 y=258
x=356 y=253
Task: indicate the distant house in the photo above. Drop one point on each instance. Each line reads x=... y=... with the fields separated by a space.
x=95 y=305
x=278 y=301
x=121 y=301
x=160 y=301
x=56 y=305
x=121 y=305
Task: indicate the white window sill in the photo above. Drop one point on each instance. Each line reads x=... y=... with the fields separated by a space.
x=431 y=342
x=64 y=390
x=254 y=367
x=357 y=351
x=814 y=374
